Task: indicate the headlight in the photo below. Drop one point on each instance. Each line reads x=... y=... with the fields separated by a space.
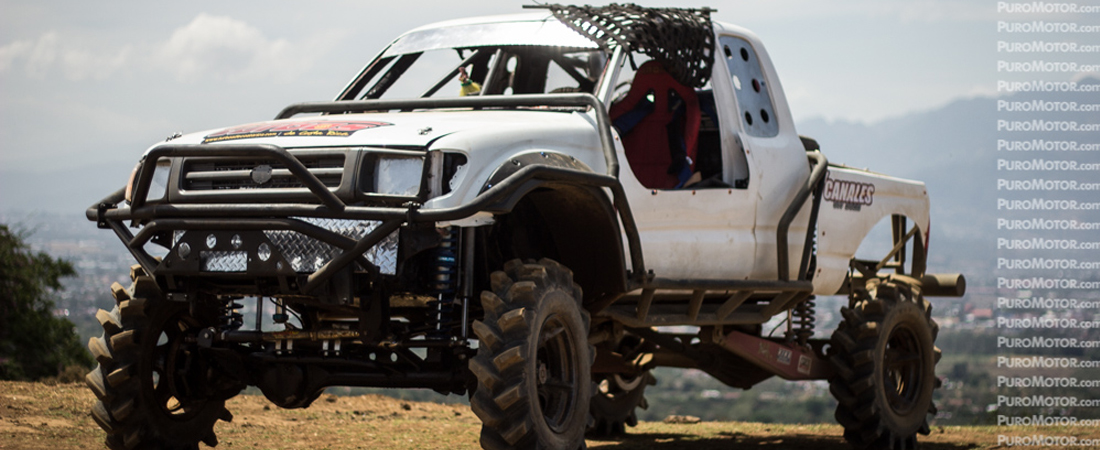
x=158 y=186
x=130 y=184
x=398 y=175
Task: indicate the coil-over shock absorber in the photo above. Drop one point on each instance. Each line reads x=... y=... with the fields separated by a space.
x=230 y=317
x=444 y=276
x=803 y=321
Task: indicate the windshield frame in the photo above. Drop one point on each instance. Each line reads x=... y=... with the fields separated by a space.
x=523 y=31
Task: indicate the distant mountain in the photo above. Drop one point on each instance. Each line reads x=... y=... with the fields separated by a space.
x=953 y=149
x=61 y=191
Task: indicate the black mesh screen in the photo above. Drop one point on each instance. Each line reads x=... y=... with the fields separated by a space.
x=680 y=39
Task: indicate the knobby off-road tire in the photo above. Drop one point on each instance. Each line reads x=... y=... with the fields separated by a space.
x=140 y=350
x=884 y=357
x=533 y=364
x=614 y=407
x=618 y=396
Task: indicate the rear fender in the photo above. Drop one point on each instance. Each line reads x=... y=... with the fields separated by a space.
x=853 y=202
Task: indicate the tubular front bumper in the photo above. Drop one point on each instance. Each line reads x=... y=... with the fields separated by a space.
x=231 y=217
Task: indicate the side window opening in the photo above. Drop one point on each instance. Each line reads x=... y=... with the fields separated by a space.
x=670 y=132
x=574 y=72
x=708 y=161
x=662 y=168
x=756 y=108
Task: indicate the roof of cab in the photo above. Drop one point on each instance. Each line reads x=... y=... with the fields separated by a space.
x=541 y=16
x=502 y=18
x=545 y=16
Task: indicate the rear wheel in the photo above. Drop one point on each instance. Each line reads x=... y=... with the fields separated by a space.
x=534 y=362
x=618 y=396
x=154 y=390
x=884 y=358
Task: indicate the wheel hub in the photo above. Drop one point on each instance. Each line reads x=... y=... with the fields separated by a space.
x=175 y=377
x=903 y=371
x=556 y=372
x=544 y=374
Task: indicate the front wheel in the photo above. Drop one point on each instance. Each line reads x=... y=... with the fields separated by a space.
x=154 y=391
x=884 y=359
x=533 y=364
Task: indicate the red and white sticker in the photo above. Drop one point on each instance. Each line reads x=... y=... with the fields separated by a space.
x=327 y=128
x=805 y=364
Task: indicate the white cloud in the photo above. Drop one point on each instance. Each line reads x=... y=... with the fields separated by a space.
x=207 y=48
x=41 y=58
x=83 y=64
x=9 y=53
x=50 y=54
x=227 y=49
x=982 y=90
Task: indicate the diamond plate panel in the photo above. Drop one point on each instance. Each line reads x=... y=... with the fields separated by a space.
x=308 y=255
x=220 y=261
x=384 y=255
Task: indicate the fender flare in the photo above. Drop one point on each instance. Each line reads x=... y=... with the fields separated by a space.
x=573 y=197
x=515 y=164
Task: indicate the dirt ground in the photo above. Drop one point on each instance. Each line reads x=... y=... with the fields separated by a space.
x=39 y=416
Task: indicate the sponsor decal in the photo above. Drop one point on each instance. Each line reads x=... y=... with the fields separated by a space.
x=783 y=356
x=804 y=364
x=328 y=128
x=763 y=350
x=850 y=195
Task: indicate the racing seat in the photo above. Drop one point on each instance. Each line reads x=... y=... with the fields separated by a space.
x=659 y=124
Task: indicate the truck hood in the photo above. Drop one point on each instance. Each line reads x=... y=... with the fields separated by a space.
x=409 y=129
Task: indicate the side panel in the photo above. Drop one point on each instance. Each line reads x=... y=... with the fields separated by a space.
x=854 y=202
x=774 y=151
x=703 y=233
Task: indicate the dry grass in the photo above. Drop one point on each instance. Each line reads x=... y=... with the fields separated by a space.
x=40 y=416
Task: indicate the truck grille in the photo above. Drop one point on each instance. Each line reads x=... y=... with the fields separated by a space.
x=210 y=174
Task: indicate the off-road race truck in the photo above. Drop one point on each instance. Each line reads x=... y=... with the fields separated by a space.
x=529 y=209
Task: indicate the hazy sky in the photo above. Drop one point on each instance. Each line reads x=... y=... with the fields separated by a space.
x=97 y=82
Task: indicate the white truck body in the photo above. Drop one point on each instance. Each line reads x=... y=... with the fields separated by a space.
x=712 y=233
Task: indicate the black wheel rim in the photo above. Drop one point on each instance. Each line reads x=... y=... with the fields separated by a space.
x=169 y=368
x=903 y=370
x=556 y=373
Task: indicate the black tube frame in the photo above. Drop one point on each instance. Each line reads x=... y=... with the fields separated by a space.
x=817 y=177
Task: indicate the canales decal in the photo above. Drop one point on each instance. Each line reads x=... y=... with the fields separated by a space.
x=850 y=195
x=332 y=128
